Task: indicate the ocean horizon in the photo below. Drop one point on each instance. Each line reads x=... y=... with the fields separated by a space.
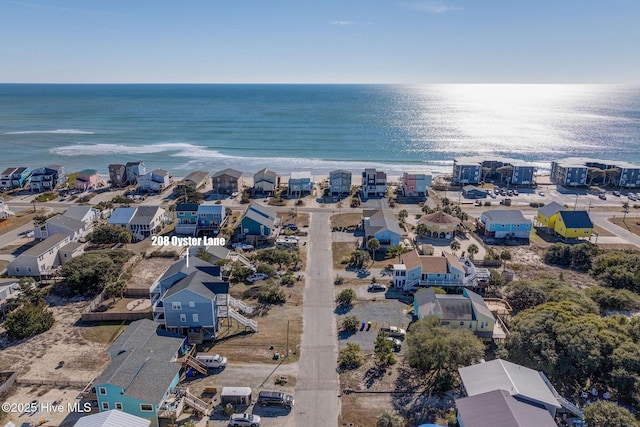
x=317 y=127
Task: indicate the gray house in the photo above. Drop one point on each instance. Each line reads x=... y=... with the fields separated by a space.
x=41 y=259
x=340 y=182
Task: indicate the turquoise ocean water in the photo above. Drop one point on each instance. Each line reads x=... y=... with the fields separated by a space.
x=318 y=127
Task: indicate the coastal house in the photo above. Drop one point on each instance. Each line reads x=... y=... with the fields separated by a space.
x=340 y=182
x=504 y=224
x=71 y=227
x=197 y=180
x=415 y=184
x=86 y=214
x=142 y=221
x=47 y=178
x=440 y=225
x=118 y=175
x=473 y=192
x=112 y=418
x=546 y=216
x=445 y=270
x=569 y=172
x=5 y=212
x=266 y=181
x=227 y=181
x=134 y=170
x=573 y=225
x=9 y=290
x=466 y=171
x=466 y=311
x=523 y=173
x=374 y=183
x=41 y=259
x=143 y=371
x=524 y=384
x=210 y=219
x=500 y=408
x=86 y=179
x=629 y=175
x=15 y=177
x=382 y=225
x=190 y=297
x=186 y=218
x=5 y=178
x=157 y=180
x=300 y=182
x=258 y=223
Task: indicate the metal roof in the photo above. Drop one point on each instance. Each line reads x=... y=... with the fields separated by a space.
x=45 y=245
x=145 y=214
x=78 y=212
x=112 y=418
x=551 y=209
x=122 y=215
x=506 y=216
x=576 y=219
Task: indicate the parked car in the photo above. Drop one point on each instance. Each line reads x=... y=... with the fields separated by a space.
x=541 y=193
x=238 y=420
x=291 y=227
x=242 y=246
x=616 y=193
x=602 y=196
x=397 y=344
x=275 y=398
x=377 y=287
x=515 y=192
x=477 y=203
x=212 y=361
x=257 y=276
x=394 y=331
x=632 y=197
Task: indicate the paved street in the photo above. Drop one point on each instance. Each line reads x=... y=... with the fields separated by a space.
x=317 y=401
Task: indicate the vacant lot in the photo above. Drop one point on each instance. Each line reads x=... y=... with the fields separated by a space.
x=346 y=220
x=147 y=270
x=629 y=223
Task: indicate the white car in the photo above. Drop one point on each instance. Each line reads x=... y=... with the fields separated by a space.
x=257 y=276
x=394 y=331
x=541 y=193
x=238 y=420
x=214 y=361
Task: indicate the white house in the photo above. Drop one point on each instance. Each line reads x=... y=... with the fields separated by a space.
x=416 y=270
x=156 y=180
x=142 y=221
x=41 y=259
x=266 y=181
x=374 y=183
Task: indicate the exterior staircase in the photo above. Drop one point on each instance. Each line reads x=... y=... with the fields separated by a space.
x=240 y=306
x=194 y=363
x=566 y=404
x=247 y=323
x=196 y=403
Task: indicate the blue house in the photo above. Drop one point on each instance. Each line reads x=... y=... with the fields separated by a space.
x=47 y=178
x=504 y=224
x=300 y=182
x=143 y=372
x=382 y=225
x=186 y=218
x=258 y=222
x=210 y=218
x=190 y=297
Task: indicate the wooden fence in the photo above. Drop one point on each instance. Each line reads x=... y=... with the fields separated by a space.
x=7 y=379
x=54 y=383
x=99 y=317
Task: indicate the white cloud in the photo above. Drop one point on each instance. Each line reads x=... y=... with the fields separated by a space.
x=430 y=6
x=342 y=23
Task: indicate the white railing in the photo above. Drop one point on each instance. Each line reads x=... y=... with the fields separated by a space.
x=569 y=406
x=249 y=323
x=195 y=403
x=239 y=305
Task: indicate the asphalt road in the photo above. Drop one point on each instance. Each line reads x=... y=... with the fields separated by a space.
x=317 y=402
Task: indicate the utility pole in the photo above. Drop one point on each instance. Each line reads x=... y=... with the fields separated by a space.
x=576 y=203
x=287 y=339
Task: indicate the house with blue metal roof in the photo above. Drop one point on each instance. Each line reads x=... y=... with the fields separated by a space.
x=573 y=225
x=258 y=222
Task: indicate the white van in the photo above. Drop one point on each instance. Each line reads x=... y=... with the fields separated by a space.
x=212 y=360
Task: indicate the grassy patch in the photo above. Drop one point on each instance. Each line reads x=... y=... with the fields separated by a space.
x=301 y=219
x=103 y=333
x=602 y=232
x=346 y=220
x=45 y=197
x=629 y=223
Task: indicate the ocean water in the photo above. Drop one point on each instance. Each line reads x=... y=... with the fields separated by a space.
x=183 y=128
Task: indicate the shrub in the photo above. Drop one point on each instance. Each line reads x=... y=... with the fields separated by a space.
x=536 y=204
x=271 y=294
x=350 y=323
x=339 y=280
x=110 y=234
x=28 y=320
x=45 y=197
x=267 y=269
x=288 y=279
x=346 y=297
x=350 y=357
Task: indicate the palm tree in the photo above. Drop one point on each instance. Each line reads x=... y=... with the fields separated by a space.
x=390 y=419
x=422 y=229
x=473 y=249
x=402 y=215
x=373 y=244
x=505 y=256
x=455 y=246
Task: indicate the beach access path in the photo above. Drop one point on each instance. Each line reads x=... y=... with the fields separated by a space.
x=317 y=402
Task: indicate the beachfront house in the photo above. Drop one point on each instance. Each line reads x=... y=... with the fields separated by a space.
x=504 y=224
x=118 y=175
x=440 y=225
x=546 y=215
x=340 y=182
x=374 y=183
x=499 y=408
x=258 y=223
x=134 y=170
x=41 y=259
x=47 y=178
x=466 y=171
x=473 y=192
x=573 y=225
x=15 y=177
x=5 y=178
x=300 y=182
x=210 y=219
x=197 y=180
x=569 y=172
x=186 y=218
x=266 y=181
x=522 y=173
x=524 y=384
x=629 y=175
x=466 y=311
x=142 y=221
x=382 y=225
x=444 y=270
x=157 y=180
x=415 y=184
x=143 y=371
x=227 y=181
x=86 y=179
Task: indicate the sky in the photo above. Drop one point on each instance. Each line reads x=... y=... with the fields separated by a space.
x=320 y=41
